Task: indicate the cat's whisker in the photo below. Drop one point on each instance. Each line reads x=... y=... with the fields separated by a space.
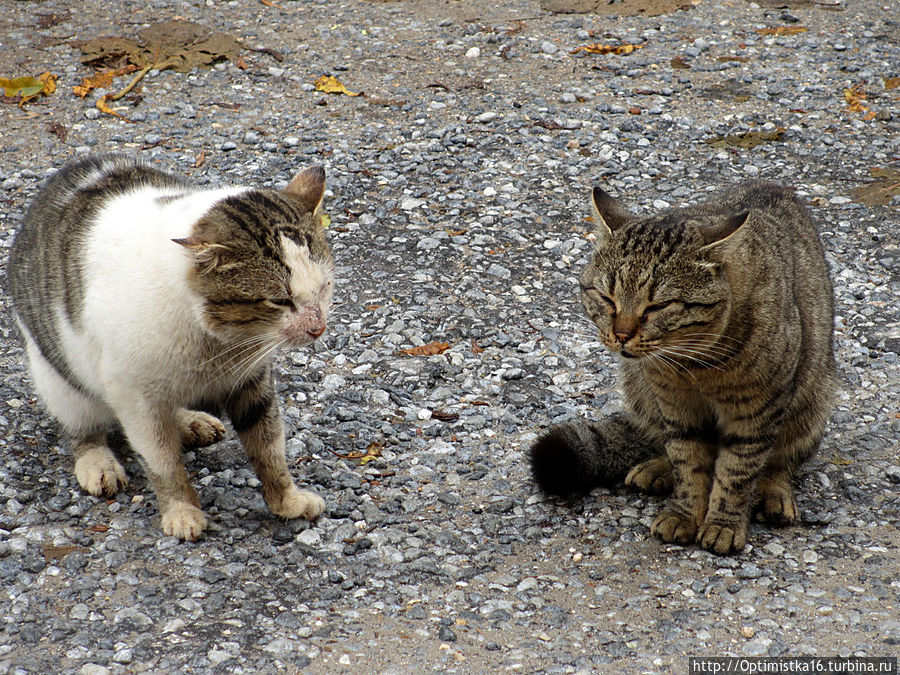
x=238 y=347
x=700 y=348
x=661 y=354
x=688 y=356
x=253 y=361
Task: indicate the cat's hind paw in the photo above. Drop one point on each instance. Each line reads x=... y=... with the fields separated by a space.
x=654 y=476
x=184 y=521
x=674 y=527
x=98 y=471
x=722 y=539
x=775 y=501
x=296 y=503
x=198 y=429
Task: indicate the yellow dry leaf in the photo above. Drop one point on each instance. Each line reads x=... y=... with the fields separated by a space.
x=620 y=50
x=103 y=106
x=331 y=85
x=373 y=451
x=324 y=220
x=782 y=30
x=854 y=98
x=892 y=83
x=28 y=87
x=100 y=80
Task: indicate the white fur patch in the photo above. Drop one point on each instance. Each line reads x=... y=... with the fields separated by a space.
x=311 y=281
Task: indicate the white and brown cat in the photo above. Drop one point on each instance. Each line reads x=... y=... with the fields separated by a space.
x=142 y=298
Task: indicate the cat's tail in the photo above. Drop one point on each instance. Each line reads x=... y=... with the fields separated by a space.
x=577 y=455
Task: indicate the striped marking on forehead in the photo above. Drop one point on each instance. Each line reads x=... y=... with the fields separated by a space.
x=309 y=277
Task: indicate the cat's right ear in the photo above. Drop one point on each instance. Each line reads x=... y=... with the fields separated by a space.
x=609 y=214
x=308 y=186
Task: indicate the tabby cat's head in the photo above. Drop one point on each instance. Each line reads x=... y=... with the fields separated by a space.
x=656 y=285
x=261 y=263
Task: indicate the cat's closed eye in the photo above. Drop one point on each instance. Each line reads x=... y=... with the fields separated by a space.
x=284 y=302
x=658 y=307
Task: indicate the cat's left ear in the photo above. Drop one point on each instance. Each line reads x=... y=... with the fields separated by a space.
x=725 y=237
x=609 y=214
x=206 y=253
x=308 y=186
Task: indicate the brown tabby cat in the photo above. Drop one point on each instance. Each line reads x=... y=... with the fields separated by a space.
x=721 y=314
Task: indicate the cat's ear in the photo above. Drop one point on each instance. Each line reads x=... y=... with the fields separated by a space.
x=206 y=253
x=725 y=236
x=308 y=186
x=609 y=214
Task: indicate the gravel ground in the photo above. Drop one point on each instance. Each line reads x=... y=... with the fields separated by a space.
x=457 y=192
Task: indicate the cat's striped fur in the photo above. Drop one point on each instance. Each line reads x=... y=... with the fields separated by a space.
x=141 y=297
x=721 y=314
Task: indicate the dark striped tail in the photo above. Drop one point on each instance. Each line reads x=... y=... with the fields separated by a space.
x=576 y=456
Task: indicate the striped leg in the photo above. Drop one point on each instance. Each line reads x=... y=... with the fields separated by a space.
x=255 y=417
x=692 y=464
x=738 y=468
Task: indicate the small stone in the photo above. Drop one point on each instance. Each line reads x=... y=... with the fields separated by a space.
x=747 y=631
x=486 y=117
x=548 y=47
x=810 y=557
x=893 y=474
x=92 y=113
x=447 y=635
x=310 y=538
x=473 y=53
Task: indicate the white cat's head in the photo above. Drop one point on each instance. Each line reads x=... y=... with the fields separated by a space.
x=261 y=264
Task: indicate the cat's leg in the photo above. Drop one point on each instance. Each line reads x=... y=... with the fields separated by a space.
x=655 y=476
x=738 y=467
x=96 y=467
x=85 y=420
x=254 y=414
x=153 y=433
x=691 y=458
x=198 y=429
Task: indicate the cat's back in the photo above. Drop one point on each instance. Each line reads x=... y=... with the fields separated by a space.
x=47 y=268
x=66 y=207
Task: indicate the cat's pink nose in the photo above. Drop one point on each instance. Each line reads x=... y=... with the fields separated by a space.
x=624 y=337
x=316 y=329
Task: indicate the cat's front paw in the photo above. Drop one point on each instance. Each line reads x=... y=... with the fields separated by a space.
x=184 y=521
x=99 y=472
x=674 y=527
x=722 y=539
x=296 y=503
x=198 y=429
x=653 y=476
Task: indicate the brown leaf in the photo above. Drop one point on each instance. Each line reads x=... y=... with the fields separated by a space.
x=101 y=80
x=782 y=30
x=58 y=130
x=891 y=83
x=679 y=63
x=881 y=192
x=431 y=349
x=597 y=48
x=444 y=416
x=98 y=528
x=60 y=552
x=748 y=139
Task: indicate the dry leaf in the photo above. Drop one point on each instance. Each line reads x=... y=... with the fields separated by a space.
x=444 y=416
x=58 y=130
x=431 y=349
x=103 y=106
x=60 y=552
x=854 y=98
x=748 y=139
x=782 y=30
x=882 y=191
x=620 y=50
x=28 y=87
x=373 y=451
x=101 y=80
x=331 y=85
x=891 y=83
